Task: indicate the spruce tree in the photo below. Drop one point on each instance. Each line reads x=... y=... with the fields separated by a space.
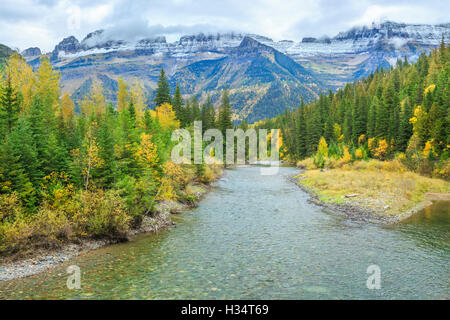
x=9 y=108
x=224 y=120
x=178 y=102
x=163 y=90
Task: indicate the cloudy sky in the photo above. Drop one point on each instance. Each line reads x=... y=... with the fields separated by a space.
x=43 y=23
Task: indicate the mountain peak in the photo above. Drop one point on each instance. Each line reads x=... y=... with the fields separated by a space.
x=31 y=52
x=249 y=42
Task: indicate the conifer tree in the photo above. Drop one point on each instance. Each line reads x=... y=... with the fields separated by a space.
x=163 y=90
x=178 y=102
x=9 y=108
x=224 y=120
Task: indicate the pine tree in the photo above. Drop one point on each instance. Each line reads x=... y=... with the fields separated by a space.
x=178 y=103
x=301 y=132
x=13 y=175
x=9 y=108
x=371 y=118
x=196 y=113
x=224 y=120
x=163 y=90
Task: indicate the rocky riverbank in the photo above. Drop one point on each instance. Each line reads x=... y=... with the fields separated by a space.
x=42 y=260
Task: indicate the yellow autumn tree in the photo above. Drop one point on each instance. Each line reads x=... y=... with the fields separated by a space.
x=90 y=158
x=138 y=96
x=362 y=139
x=147 y=152
x=47 y=83
x=174 y=179
x=382 y=150
x=419 y=122
x=322 y=148
x=95 y=102
x=346 y=156
x=359 y=153
x=22 y=78
x=372 y=144
x=123 y=97
x=429 y=150
x=67 y=107
x=166 y=116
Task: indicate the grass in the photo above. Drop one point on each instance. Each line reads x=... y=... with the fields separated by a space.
x=385 y=187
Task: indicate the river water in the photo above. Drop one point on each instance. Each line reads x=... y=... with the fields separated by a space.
x=257 y=237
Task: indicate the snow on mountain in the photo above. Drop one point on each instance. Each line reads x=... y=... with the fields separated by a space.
x=356 y=40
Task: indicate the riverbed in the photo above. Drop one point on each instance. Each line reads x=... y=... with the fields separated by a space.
x=257 y=237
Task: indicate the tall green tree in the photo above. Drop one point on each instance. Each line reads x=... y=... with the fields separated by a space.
x=9 y=107
x=163 y=90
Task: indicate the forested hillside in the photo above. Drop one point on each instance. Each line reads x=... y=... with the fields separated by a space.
x=401 y=112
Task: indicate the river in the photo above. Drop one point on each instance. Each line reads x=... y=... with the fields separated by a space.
x=257 y=237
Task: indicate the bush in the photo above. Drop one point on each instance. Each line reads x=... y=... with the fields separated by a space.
x=100 y=214
x=10 y=207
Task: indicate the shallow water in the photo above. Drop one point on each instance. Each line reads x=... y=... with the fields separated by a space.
x=257 y=237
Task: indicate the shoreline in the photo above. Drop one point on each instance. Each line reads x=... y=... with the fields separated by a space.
x=359 y=213
x=45 y=259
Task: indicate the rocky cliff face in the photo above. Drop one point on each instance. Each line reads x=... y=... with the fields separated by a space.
x=31 y=52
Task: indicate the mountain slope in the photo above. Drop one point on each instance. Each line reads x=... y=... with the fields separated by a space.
x=262 y=81
x=5 y=52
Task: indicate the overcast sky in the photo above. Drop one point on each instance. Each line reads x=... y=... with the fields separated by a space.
x=43 y=23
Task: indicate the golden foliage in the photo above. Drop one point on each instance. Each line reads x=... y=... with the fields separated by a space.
x=122 y=95
x=322 y=148
x=359 y=153
x=10 y=206
x=166 y=116
x=372 y=144
x=95 y=102
x=362 y=139
x=346 y=157
x=429 y=149
x=147 y=151
x=430 y=88
x=67 y=107
x=337 y=131
x=138 y=96
x=174 y=179
x=382 y=150
x=22 y=78
x=47 y=85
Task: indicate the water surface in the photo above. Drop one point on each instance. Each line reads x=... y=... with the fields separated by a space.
x=257 y=237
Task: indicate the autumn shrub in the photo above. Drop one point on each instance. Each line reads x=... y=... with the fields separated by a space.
x=208 y=175
x=307 y=164
x=10 y=207
x=442 y=170
x=173 y=180
x=51 y=227
x=100 y=214
x=56 y=190
x=16 y=236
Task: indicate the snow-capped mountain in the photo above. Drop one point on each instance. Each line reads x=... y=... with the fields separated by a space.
x=205 y=62
x=356 y=40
